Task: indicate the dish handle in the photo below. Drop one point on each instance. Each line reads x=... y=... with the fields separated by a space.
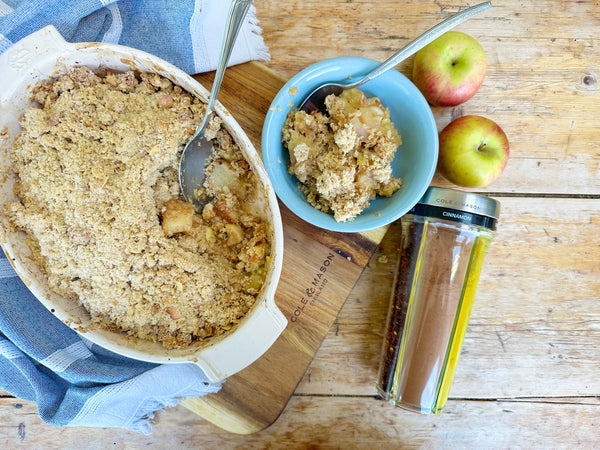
x=249 y=342
x=21 y=58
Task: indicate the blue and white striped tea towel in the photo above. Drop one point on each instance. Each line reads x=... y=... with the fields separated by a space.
x=186 y=33
x=74 y=382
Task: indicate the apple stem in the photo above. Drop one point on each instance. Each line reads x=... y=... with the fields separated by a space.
x=481 y=147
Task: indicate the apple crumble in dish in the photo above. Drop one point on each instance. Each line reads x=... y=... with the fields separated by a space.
x=96 y=167
x=342 y=159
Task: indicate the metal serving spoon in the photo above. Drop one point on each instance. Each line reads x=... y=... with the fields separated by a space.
x=198 y=149
x=316 y=99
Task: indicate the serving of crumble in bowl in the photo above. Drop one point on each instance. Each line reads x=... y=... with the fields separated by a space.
x=92 y=217
x=363 y=164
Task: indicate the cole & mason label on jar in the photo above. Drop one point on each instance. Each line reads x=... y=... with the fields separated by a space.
x=449 y=203
x=462 y=201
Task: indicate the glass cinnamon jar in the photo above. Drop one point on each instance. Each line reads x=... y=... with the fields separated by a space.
x=444 y=241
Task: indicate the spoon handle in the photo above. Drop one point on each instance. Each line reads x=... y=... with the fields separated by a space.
x=237 y=12
x=420 y=42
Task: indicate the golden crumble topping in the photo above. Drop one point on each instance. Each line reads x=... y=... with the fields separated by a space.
x=97 y=181
x=343 y=160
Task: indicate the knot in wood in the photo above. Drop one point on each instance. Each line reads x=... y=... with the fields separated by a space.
x=589 y=81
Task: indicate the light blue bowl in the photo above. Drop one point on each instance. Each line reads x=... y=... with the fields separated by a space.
x=415 y=159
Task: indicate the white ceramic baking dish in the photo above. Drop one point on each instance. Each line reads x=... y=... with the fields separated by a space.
x=45 y=54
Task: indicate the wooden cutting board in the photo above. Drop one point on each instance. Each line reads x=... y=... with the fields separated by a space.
x=320 y=269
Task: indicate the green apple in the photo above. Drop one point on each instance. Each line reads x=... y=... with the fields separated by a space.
x=473 y=151
x=450 y=70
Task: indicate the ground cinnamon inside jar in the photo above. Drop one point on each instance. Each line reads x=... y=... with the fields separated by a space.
x=441 y=257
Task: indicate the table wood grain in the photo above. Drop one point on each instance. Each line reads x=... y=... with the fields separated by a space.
x=529 y=373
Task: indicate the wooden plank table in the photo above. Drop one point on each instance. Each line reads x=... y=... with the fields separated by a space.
x=529 y=375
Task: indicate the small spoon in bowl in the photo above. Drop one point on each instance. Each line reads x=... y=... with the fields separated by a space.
x=315 y=101
x=199 y=148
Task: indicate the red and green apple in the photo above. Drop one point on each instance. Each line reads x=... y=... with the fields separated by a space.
x=450 y=70
x=473 y=151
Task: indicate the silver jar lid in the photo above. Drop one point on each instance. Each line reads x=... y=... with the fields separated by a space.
x=462 y=201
